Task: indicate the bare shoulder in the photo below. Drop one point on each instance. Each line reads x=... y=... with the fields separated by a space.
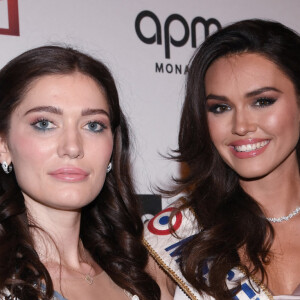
x=166 y=284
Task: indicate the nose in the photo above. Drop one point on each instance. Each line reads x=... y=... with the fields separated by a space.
x=243 y=123
x=70 y=144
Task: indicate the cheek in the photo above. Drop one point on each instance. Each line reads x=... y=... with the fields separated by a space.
x=26 y=150
x=100 y=152
x=218 y=131
x=285 y=122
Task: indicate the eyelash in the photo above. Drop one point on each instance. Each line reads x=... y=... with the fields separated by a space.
x=258 y=103
x=37 y=121
x=265 y=101
x=216 y=107
x=102 y=126
x=40 y=120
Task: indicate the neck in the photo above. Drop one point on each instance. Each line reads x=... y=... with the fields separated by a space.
x=56 y=237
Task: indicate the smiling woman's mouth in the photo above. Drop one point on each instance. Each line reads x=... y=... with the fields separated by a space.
x=251 y=147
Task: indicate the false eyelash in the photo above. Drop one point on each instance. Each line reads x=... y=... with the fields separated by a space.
x=269 y=101
x=213 y=108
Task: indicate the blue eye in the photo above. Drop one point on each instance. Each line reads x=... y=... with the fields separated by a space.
x=95 y=126
x=263 y=102
x=43 y=125
x=218 y=108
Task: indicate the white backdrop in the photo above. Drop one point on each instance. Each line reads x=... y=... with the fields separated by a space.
x=106 y=29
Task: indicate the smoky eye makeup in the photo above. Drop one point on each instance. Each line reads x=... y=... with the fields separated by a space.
x=217 y=108
x=264 y=101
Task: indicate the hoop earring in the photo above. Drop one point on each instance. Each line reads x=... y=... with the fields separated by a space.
x=6 y=168
x=109 y=167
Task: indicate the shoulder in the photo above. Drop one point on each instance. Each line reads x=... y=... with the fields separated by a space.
x=166 y=284
x=164 y=246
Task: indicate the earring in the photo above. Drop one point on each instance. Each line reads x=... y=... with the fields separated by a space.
x=109 y=167
x=6 y=168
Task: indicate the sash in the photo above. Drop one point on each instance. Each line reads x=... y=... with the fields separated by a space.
x=164 y=247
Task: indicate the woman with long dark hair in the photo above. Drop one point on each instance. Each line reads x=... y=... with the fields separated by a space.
x=69 y=221
x=235 y=232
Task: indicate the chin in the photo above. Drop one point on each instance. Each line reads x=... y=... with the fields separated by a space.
x=70 y=206
x=254 y=175
x=71 y=202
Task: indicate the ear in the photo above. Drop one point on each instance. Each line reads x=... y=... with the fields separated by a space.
x=4 y=150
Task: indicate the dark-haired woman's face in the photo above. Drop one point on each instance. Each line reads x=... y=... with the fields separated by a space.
x=60 y=141
x=253 y=114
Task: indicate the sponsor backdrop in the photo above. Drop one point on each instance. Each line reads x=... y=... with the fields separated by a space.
x=147 y=45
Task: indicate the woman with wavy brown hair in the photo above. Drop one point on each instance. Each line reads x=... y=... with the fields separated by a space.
x=235 y=232
x=69 y=221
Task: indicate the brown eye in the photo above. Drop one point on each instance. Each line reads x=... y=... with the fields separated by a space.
x=219 y=108
x=263 y=102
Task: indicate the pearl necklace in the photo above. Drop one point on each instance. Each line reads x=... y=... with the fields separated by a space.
x=285 y=218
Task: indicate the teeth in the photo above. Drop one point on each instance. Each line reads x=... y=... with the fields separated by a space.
x=250 y=147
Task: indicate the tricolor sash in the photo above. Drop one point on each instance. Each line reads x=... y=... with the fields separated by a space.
x=164 y=247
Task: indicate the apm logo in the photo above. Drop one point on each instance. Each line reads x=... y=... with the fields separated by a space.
x=9 y=17
x=168 y=38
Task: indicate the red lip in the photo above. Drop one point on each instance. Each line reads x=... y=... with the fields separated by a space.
x=69 y=174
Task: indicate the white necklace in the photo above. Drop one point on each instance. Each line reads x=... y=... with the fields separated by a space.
x=130 y=296
x=285 y=218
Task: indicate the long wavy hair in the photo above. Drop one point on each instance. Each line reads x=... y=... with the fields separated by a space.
x=111 y=227
x=230 y=218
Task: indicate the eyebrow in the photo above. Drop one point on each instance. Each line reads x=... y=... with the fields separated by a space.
x=58 y=111
x=51 y=109
x=262 y=90
x=248 y=95
x=216 y=97
x=92 y=111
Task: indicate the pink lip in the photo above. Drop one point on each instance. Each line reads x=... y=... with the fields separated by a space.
x=69 y=174
x=249 y=154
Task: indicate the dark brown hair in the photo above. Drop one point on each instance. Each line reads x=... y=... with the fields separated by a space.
x=230 y=218
x=111 y=227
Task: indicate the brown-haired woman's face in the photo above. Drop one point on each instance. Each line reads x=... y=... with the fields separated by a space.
x=60 y=141
x=253 y=114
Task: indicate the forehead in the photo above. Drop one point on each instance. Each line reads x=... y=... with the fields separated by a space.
x=248 y=71
x=66 y=90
